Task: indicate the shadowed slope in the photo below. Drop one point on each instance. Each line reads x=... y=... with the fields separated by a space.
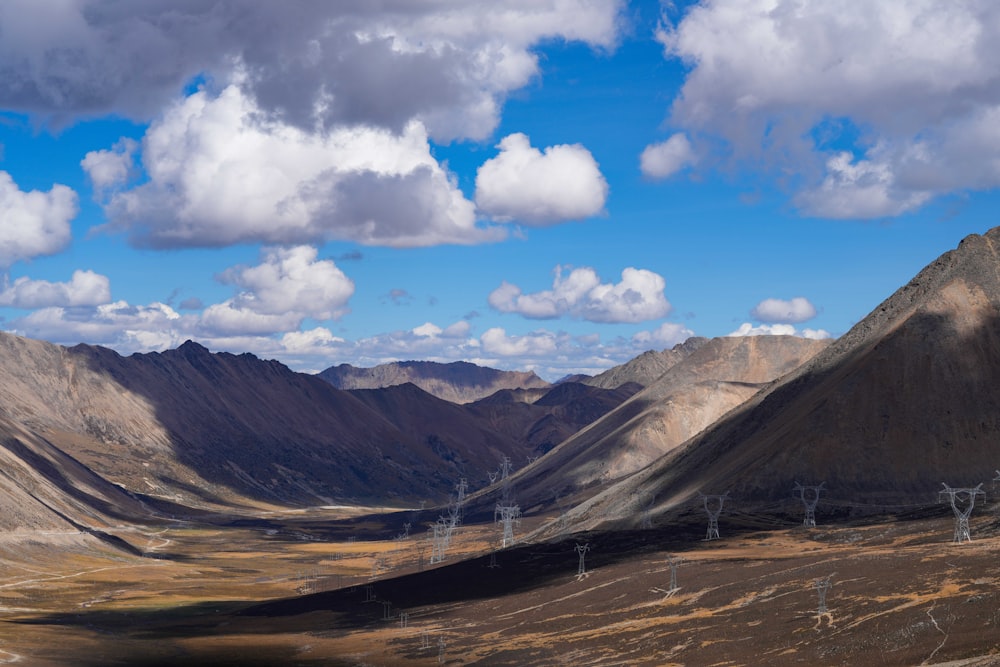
x=709 y=381
x=906 y=400
x=546 y=420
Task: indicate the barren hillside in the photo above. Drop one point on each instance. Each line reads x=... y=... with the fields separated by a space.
x=906 y=400
x=712 y=379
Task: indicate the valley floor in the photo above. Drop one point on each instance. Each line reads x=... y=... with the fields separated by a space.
x=321 y=589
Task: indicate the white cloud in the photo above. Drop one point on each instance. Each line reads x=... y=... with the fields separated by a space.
x=34 y=223
x=117 y=324
x=316 y=340
x=747 y=329
x=538 y=343
x=276 y=296
x=536 y=187
x=637 y=298
x=666 y=335
x=859 y=189
x=85 y=288
x=782 y=86
x=793 y=311
x=220 y=173
x=292 y=279
x=130 y=329
x=667 y=157
x=428 y=330
x=816 y=334
x=111 y=168
x=449 y=64
x=289 y=285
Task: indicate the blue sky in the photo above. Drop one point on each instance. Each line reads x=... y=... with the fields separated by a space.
x=555 y=185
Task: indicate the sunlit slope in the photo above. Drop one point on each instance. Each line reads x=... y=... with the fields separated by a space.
x=719 y=375
x=906 y=400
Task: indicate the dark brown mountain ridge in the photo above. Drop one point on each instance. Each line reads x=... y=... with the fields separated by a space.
x=907 y=400
x=195 y=427
x=705 y=381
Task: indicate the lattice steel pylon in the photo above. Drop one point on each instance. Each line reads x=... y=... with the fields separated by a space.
x=673 y=562
x=713 y=513
x=822 y=586
x=505 y=470
x=582 y=550
x=958 y=496
x=508 y=516
x=809 y=501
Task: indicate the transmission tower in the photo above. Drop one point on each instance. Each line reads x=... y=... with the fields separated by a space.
x=461 y=488
x=957 y=498
x=505 y=468
x=508 y=516
x=581 y=550
x=439 y=544
x=674 y=563
x=713 y=508
x=822 y=586
x=810 y=498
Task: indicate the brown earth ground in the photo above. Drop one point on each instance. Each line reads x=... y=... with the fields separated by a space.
x=315 y=588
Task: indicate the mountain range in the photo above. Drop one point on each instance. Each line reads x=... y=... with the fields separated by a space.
x=882 y=416
x=902 y=406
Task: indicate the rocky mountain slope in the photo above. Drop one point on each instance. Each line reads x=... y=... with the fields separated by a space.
x=543 y=421
x=647 y=367
x=458 y=382
x=197 y=428
x=711 y=379
x=906 y=400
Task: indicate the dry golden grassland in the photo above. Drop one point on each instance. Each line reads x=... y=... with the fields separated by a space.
x=279 y=592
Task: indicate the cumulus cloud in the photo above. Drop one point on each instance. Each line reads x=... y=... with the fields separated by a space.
x=496 y=341
x=747 y=329
x=293 y=279
x=276 y=296
x=111 y=168
x=666 y=335
x=784 y=85
x=117 y=324
x=581 y=294
x=668 y=157
x=793 y=311
x=449 y=64
x=289 y=285
x=34 y=223
x=537 y=187
x=219 y=174
x=85 y=288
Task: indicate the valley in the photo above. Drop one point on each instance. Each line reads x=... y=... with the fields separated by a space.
x=191 y=507
x=320 y=587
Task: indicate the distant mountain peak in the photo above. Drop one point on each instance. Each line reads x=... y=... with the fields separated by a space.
x=457 y=381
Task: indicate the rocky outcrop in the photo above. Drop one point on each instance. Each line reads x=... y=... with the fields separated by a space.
x=647 y=367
